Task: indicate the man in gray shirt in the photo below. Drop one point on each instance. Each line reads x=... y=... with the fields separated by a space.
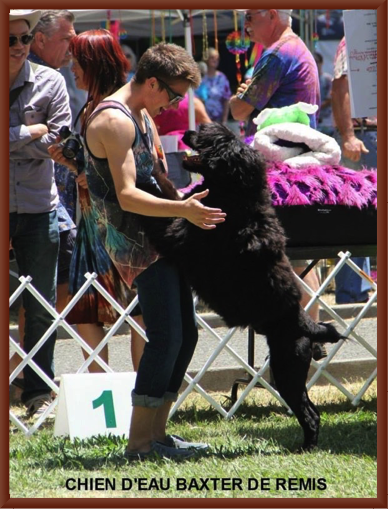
x=39 y=107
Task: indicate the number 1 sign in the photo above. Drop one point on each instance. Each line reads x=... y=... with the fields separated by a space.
x=94 y=404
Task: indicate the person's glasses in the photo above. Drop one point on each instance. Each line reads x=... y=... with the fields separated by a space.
x=24 y=39
x=249 y=15
x=173 y=97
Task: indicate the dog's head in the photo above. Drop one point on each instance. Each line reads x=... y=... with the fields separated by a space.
x=223 y=159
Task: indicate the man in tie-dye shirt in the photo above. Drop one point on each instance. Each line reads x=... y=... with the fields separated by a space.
x=286 y=72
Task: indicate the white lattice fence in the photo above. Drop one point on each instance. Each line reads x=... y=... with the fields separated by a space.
x=221 y=342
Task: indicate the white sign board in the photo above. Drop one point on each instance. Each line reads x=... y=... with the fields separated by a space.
x=93 y=404
x=361 y=48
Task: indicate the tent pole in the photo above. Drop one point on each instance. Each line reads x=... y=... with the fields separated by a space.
x=189 y=49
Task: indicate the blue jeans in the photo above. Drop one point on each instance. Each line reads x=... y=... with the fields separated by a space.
x=35 y=241
x=349 y=286
x=167 y=305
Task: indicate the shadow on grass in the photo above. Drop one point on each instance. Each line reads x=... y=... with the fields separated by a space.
x=344 y=428
x=80 y=461
x=355 y=438
x=256 y=431
x=257 y=411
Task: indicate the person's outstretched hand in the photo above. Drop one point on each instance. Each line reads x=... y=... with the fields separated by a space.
x=206 y=218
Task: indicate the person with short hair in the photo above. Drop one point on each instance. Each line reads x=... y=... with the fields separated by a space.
x=52 y=36
x=285 y=73
x=39 y=106
x=50 y=47
x=123 y=145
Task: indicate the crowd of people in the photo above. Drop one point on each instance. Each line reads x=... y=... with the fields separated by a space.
x=128 y=105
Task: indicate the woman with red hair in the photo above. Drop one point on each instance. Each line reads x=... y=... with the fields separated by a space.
x=99 y=67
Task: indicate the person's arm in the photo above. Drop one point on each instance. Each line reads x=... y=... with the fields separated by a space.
x=352 y=147
x=201 y=116
x=240 y=109
x=22 y=134
x=114 y=134
x=255 y=93
x=33 y=140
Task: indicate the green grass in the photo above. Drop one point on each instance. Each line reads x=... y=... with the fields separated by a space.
x=258 y=443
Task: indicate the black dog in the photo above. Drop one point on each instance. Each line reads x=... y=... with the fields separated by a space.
x=240 y=268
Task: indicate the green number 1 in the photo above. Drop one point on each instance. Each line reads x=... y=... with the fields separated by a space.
x=106 y=399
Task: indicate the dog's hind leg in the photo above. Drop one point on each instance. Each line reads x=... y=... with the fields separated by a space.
x=290 y=362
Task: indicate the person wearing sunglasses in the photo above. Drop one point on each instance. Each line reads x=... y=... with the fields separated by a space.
x=39 y=107
x=50 y=40
x=25 y=39
x=175 y=122
x=122 y=148
x=285 y=74
x=173 y=97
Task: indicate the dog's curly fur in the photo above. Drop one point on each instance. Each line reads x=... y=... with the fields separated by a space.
x=240 y=268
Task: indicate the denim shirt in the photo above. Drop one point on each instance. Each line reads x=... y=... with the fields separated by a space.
x=65 y=181
x=44 y=99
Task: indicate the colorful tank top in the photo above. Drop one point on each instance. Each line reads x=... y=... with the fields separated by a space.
x=121 y=231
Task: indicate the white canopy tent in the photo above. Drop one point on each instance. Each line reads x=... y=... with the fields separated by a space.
x=139 y=23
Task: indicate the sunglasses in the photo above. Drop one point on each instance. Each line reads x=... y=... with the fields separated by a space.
x=249 y=15
x=173 y=97
x=24 y=39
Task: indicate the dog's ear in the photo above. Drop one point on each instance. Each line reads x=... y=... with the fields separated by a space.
x=189 y=138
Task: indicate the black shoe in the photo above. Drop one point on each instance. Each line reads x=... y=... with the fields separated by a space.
x=319 y=351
